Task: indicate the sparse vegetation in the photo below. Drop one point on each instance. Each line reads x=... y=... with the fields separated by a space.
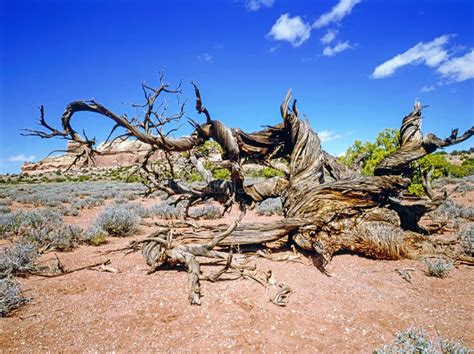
x=270 y=207
x=438 y=267
x=118 y=221
x=208 y=211
x=417 y=341
x=18 y=259
x=10 y=296
x=164 y=210
x=466 y=237
x=370 y=154
x=95 y=236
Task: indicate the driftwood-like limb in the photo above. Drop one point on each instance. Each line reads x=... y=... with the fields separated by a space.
x=413 y=145
x=67 y=272
x=370 y=215
x=158 y=251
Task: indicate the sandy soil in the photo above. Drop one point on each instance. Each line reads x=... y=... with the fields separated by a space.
x=358 y=308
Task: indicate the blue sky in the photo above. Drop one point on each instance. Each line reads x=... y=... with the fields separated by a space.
x=356 y=67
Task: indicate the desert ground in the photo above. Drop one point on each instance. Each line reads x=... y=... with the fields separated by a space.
x=358 y=307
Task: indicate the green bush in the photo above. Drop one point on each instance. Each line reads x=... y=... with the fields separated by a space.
x=269 y=172
x=221 y=173
x=386 y=143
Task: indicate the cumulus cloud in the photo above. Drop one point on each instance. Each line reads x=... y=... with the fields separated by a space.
x=428 y=88
x=206 y=57
x=432 y=54
x=290 y=29
x=329 y=36
x=337 y=13
x=21 y=158
x=458 y=69
x=255 y=5
x=327 y=135
x=340 y=47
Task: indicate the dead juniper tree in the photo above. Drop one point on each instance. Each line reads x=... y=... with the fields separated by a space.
x=327 y=206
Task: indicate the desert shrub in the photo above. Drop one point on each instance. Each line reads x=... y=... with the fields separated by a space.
x=269 y=172
x=164 y=210
x=385 y=143
x=208 y=211
x=137 y=208
x=453 y=347
x=64 y=238
x=72 y=211
x=118 y=221
x=38 y=219
x=411 y=341
x=208 y=148
x=131 y=196
x=9 y=224
x=95 y=236
x=58 y=237
x=451 y=211
x=5 y=201
x=17 y=259
x=270 y=207
x=10 y=296
x=438 y=267
x=93 y=201
x=221 y=173
x=417 y=341
x=466 y=237
x=4 y=209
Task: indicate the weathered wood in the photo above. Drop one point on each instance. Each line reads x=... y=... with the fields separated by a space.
x=347 y=211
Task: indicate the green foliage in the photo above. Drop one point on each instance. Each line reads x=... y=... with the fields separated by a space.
x=269 y=172
x=385 y=143
x=221 y=173
x=208 y=148
x=441 y=168
x=266 y=172
x=194 y=176
x=217 y=172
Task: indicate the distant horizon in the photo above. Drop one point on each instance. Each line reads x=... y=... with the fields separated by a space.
x=356 y=67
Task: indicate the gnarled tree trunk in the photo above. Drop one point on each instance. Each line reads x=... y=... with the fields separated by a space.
x=351 y=212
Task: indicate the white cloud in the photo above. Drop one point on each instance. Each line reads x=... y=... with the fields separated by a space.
x=339 y=47
x=329 y=36
x=337 y=13
x=21 y=158
x=255 y=5
x=432 y=54
x=290 y=29
x=206 y=57
x=458 y=69
x=274 y=48
x=428 y=88
x=327 y=135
